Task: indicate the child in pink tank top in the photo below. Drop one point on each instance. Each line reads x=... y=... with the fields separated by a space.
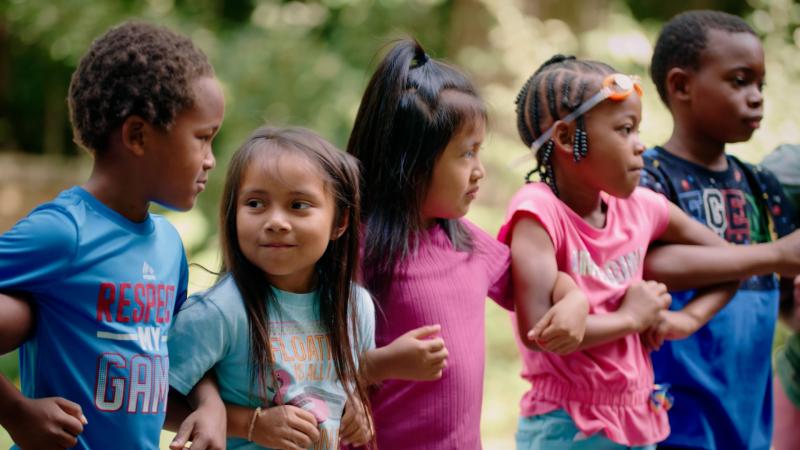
x=589 y=219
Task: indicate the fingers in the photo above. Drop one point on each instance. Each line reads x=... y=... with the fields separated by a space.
x=349 y=424
x=183 y=435
x=425 y=331
x=65 y=440
x=551 y=332
x=300 y=440
x=304 y=423
x=536 y=331
x=71 y=408
x=561 y=345
x=70 y=424
x=434 y=345
x=666 y=300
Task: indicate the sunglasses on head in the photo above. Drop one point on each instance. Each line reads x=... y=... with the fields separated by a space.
x=616 y=87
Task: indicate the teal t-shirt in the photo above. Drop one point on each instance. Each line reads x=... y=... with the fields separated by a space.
x=211 y=331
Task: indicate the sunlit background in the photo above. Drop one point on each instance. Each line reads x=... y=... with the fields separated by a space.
x=307 y=63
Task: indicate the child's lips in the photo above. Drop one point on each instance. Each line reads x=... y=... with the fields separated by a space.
x=472 y=193
x=753 y=122
x=277 y=245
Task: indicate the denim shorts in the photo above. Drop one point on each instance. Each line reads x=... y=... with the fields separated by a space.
x=556 y=431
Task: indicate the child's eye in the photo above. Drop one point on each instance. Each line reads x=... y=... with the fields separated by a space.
x=254 y=203
x=469 y=154
x=627 y=129
x=301 y=205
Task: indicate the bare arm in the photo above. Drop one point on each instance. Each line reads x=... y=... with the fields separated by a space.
x=16 y=322
x=551 y=309
x=673 y=325
x=640 y=308
x=709 y=260
x=533 y=275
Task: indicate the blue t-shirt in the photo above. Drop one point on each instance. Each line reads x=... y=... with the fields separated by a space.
x=212 y=332
x=104 y=290
x=721 y=375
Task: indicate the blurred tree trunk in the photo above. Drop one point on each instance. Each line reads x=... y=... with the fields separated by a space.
x=55 y=111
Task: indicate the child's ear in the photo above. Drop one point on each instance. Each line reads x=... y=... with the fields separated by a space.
x=134 y=129
x=678 y=84
x=344 y=222
x=563 y=136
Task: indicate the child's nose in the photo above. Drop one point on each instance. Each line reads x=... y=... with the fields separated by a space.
x=638 y=146
x=478 y=171
x=210 y=161
x=277 y=221
x=755 y=98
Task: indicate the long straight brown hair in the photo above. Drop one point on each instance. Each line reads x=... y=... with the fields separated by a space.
x=335 y=270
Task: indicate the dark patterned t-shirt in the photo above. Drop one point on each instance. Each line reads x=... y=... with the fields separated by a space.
x=721 y=375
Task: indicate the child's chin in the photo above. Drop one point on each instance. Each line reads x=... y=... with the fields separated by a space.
x=181 y=206
x=623 y=193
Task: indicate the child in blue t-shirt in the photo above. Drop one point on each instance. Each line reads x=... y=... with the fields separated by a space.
x=709 y=70
x=103 y=275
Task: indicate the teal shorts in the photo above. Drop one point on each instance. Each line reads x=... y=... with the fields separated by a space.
x=556 y=431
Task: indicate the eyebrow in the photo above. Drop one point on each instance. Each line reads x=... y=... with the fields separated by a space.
x=297 y=193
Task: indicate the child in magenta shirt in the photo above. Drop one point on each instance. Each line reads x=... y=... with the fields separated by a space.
x=418 y=135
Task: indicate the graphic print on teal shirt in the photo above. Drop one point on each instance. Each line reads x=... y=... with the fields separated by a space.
x=211 y=332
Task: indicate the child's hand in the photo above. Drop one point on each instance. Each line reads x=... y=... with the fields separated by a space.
x=46 y=423
x=285 y=427
x=643 y=303
x=205 y=428
x=416 y=355
x=789 y=254
x=672 y=325
x=356 y=428
x=562 y=327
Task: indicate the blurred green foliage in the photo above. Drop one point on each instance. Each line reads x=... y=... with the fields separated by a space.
x=307 y=63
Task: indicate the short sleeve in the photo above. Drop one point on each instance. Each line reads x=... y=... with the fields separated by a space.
x=197 y=341
x=654 y=208
x=365 y=308
x=496 y=258
x=537 y=201
x=183 y=283
x=37 y=250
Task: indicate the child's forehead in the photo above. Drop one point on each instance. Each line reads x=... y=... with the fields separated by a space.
x=726 y=49
x=285 y=166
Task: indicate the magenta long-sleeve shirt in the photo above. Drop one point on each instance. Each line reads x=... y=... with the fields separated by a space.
x=437 y=284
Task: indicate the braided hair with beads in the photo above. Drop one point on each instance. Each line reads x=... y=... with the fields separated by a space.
x=561 y=83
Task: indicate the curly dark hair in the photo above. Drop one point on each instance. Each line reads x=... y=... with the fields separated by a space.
x=135 y=68
x=683 y=38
